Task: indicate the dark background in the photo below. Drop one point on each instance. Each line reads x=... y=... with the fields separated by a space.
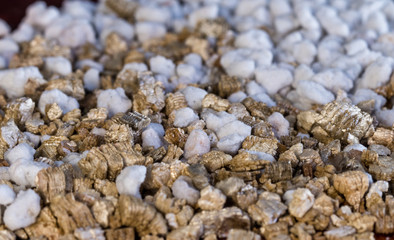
x=12 y=11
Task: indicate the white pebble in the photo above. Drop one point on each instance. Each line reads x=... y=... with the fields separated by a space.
x=24 y=173
x=14 y=80
x=215 y=120
x=65 y=102
x=184 y=116
x=194 y=96
x=231 y=143
x=364 y=94
x=58 y=65
x=273 y=78
x=314 y=92
x=386 y=117
x=377 y=22
x=152 y=14
x=91 y=79
x=262 y=155
x=356 y=46
x=237 y=97
x=333 y=79
x=188 y=73
x=4 y=28
x=302 y=72
x=253 y=88
x=207 y=12
x=115 y=100
x=182 y=188
x=23 y=211
x=162 y=65
x=279 y=124
x=8 y=47
x=197 y=143
x=262 y=97
x=301 y=201
x=22 y=151
x=356 y=146
x=280 y=7
x=243 y=61
x=304 y=52
x=149 y=30
x=254 y=39
x=130 y=179
x=331 y=22
x=152 y=135
x=193 y=59
x=234 y=127
x=285 y=23
x=7 y=194
x=376 y=74
x=24 y=32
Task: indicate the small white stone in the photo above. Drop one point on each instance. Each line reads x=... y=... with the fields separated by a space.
x=333 y=79
x=273 y=78
x=130 y=179
x=188 y=73
x=302 y=72
x=378 y=187
x=247 y=7
x=356 y=46
x=314 y=92
x=79 y=9
x=376 y=74
x=23 y=211
x=262 y=155
x=329 y=49
x=215 y=120
x=184 y=116
x=301 y=201
x=58 y=65
x=279 y=124
x=115 y=100
x=331 y=22
x=24 y=172
x=182 y=188
x=285 y=23
x=162 y=65
x=91 y=79
x=253 y=88
x=152 y=135
x=280 y=7
x=193 y=59
x=22 y=151
x=243 y=61
x=197 y=143
x=304 y=52
x=206 y=12
x=262 y=97
x=306 y=18
x=4 y=28
x=364 y=94
x=8 y=47
x=24 y=33
x=65 y=102
x=33 y=138
x=14 y=80
x=152 y=14
x=386 y=117
x=234 y=127
x=356 y=146
x=237 y=97
x=231 y=143
x=149 y=30
x=7 y=195
x=254 y=39
x=378 y=22
x=194 y=96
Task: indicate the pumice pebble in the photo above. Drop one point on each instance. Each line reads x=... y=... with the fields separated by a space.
x=58 y=65
x=23 y=211
x=22 y=151
x=182 y=188
x=115 y=100
x=279 y=124
x=152 y=135
x=14 y=80
x=197 y=143
x=194 y=96
x=7 y=194
x=264 y=76
x=65 y=102
x=162 y=65
x=184 y=116
x=91 y=79
x=130 y=179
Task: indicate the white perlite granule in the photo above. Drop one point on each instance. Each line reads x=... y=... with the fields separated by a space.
x=23 y=211
x=130 y=179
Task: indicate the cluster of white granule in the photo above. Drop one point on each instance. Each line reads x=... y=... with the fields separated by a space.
x=311 y=52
